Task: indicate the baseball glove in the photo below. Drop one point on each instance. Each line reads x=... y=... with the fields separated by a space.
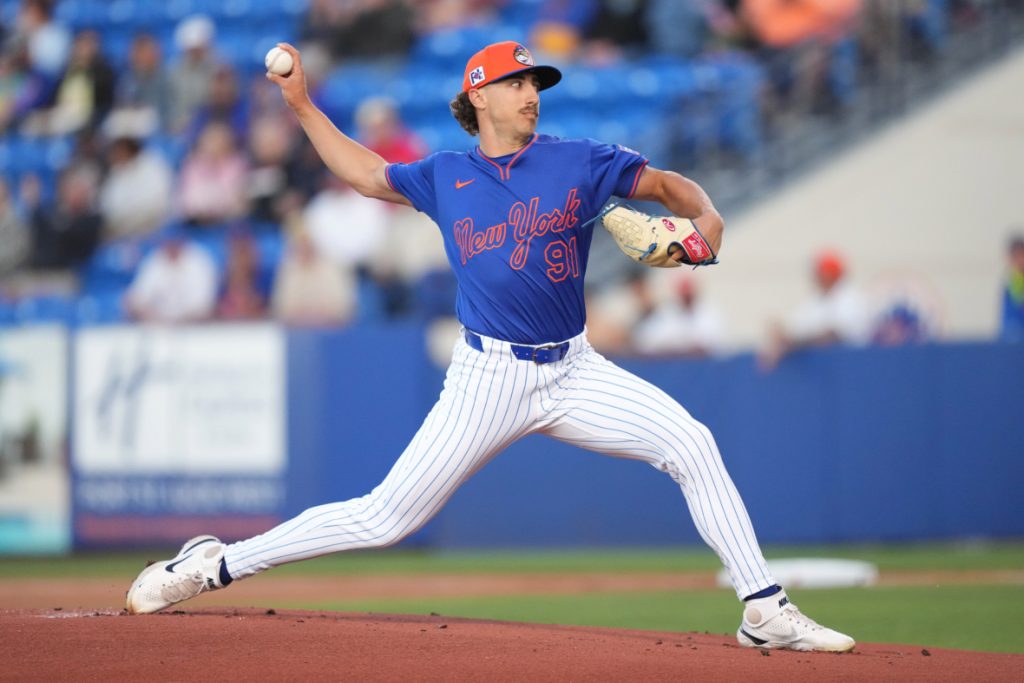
x=655 y=240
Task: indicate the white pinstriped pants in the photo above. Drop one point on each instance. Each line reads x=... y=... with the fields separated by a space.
x=490 y=399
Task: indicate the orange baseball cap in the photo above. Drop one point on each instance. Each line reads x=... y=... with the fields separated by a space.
x=830 y=264
x=504 y=59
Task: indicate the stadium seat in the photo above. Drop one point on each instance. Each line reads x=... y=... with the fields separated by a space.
x=100 y=308
x=46 y=308
x=8 y=313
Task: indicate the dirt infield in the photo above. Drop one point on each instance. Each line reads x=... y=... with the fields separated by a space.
x=260 y=644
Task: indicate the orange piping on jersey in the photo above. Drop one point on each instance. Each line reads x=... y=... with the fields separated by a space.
x=501 y=171
x=636 y=180
x=505 y=172
x=508 y=166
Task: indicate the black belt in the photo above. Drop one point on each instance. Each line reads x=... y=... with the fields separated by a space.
x=547 y=353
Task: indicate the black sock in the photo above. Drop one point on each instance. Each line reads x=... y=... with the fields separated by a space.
x=225 y=578
x=769 y=591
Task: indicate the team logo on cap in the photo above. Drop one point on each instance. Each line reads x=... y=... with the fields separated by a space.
x=476 y=76
x=523 y=56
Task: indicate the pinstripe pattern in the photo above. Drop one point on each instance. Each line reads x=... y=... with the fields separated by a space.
x=491 y=399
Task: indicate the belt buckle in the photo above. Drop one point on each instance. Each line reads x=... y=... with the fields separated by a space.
x=546 y=347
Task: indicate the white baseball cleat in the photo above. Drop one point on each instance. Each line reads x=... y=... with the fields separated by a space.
x=192 y=571
x=776 y=623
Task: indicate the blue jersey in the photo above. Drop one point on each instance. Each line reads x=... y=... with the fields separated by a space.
x=514 y=231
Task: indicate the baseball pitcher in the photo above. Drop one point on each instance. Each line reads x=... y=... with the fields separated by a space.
x=517 y=216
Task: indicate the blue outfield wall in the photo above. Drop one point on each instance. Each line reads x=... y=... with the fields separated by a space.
x=835 y=445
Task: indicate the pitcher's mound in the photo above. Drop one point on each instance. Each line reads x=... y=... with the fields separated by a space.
x=260 y=644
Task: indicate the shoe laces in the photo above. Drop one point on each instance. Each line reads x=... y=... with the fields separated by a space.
x=793 y=614
x=183 y=586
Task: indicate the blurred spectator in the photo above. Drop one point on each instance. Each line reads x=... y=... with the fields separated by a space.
x=617 y=26
x=678 y=28
x=145 y=83
x=270 y=194
x=838 y=314
x=32 y=60
x=84 y=94
x=319 y=22
x=224 y=104
x=306 y=174
x=788 y=23
x=243 y=294
x=14 y=236
x=616 y=310
x=684 y=325
x=193 y=73
x=879 y=37
x=616 y=30
x=212 y=182
x=135 y=197
x=1012 y=328
x=796 y=39
x=45 y=42
x=90 y=151
x=381 y=130
x=361 y=28
x=558 y=29
x=176 y=283
x=421 y=264
x=66 y=234
x=355 y=232
x=349 y=229
x=309 y=289
x=689 y=29
x=439 y=15
x=900 y=324
x=12 y=80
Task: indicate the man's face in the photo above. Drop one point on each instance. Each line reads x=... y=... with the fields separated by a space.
x=513 y=104
x=1017 y=258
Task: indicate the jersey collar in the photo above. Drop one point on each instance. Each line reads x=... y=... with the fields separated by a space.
x=505 y=167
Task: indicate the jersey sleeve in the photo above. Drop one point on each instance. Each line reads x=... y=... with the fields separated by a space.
x=415 y=181
x=614 y=170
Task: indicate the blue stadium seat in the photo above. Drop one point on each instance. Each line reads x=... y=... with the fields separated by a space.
x=521 y=13
x=176 y=10
x=737 y=83
x=8 y=312
x=270 y=244
x=113 y=265
x=46 y=308
x=117 y=43
x=80 y=14
x=931 y=26
x=842 y=70
x=450 y=48
x=100 y=308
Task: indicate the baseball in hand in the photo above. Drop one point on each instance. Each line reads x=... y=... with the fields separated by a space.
x=278 y=62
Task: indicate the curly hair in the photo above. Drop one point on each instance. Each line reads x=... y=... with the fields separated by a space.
x=465 y=113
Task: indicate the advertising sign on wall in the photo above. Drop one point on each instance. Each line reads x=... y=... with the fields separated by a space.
x=34 y=498
x=177 y=430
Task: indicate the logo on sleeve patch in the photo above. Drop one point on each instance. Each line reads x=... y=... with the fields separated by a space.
x=476 y=76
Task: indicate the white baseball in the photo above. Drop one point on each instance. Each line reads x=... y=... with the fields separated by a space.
x=278 y=62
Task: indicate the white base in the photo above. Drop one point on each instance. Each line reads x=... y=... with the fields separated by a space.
x=812 y=572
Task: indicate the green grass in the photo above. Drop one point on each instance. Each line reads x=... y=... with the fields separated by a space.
x=953 y=556
x=976 y=617
x=965 y=617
